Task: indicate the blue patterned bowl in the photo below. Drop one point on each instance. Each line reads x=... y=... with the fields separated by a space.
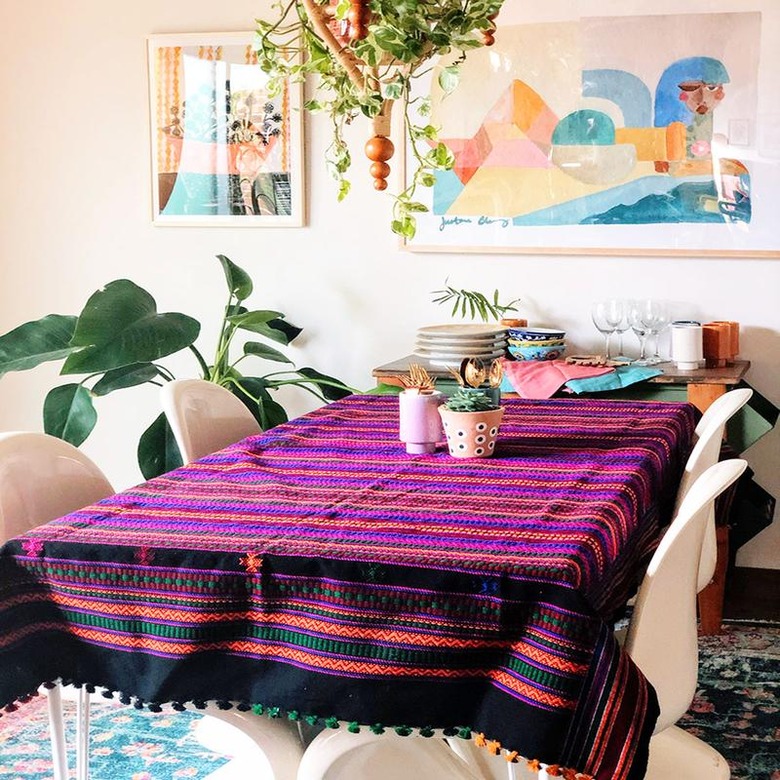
x=537 y=353
x=535 y=334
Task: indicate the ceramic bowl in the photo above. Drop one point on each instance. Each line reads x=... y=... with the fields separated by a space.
x=535 y=334
x=531 y=343
x=536 y=352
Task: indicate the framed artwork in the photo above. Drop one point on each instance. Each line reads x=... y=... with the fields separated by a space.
x=225 y=150
x=595 y=127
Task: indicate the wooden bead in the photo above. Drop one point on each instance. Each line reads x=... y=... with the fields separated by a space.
x=379 y=170
x=379 y=148
x=380 y=184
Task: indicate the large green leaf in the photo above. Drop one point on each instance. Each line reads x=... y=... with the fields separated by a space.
x=127 y=376
x=267 y=353
x=276 y=329
x=249 y=320
x=158 y=452
x=267 y=411
x=68 y=413
x=120 y=326
x=328 y=390
x=36 y=342
x=238 y=281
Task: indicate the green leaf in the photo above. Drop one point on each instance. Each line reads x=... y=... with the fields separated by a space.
x=120 y=326
x=266 y=352
x=248 y=320
x=449 y=78
x=127 y=376
x=330 y=392
x=36 y=342
x=286 y=330
x=266 y=411
x=238 y=280
x=344 y=188
x=68 y=413
x=158 y=452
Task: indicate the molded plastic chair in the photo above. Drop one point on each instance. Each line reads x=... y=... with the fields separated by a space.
x=706 y=451
x=42 y=478
x=337 y=754
x=662 y=635
x=205 y=417
x=260 y=747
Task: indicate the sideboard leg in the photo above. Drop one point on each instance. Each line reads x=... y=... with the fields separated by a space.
x=712 y=597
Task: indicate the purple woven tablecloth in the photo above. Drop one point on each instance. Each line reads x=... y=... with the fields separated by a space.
x=317 y=571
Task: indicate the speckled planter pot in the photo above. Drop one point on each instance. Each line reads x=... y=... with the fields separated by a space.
x=471 y=434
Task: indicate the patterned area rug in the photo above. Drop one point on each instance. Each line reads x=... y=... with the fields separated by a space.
x=737 y=707
x=736 y=710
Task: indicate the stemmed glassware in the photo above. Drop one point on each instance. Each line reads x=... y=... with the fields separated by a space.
x=648 y=318
x=611 y=316
x=659 y=319
x=603 y=319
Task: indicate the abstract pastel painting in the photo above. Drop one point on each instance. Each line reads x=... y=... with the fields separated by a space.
x=226 y=149
x=643 y=134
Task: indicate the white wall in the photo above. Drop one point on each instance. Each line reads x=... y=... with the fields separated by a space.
x=76 y=211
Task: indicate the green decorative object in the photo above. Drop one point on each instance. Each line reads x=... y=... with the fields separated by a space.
x=472 y=303
x=470 y=399
x=118 y=340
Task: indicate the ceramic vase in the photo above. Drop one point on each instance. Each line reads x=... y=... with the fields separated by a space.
x=419 y=422
x=471 y=434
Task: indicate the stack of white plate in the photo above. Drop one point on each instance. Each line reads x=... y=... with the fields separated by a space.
x=447 y=345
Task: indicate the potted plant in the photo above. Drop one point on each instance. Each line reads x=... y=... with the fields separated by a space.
x=470 y=303
x=367 y=54
x=118 y=340
x=419 y=423
x=471 y=420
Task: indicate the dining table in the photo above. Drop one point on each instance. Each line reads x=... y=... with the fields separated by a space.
x=319 y=572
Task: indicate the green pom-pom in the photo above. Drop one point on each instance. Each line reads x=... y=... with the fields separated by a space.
x=353 y=727
x=377 y=728
x=273 y=712
x=403 y=731
x=312 y=720
x=464 y=732
x=332 y=723
x=427 y=731
x=258 y=709
x=293 y=715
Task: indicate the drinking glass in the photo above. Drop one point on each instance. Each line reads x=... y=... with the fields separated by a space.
x=640 y=321
x=599 y=313
x=658 y=319
x=617 y=316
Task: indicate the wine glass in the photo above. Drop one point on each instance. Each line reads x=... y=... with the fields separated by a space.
x=658 y=319
x=617 y=316
x=600 y=314
x=640 y=321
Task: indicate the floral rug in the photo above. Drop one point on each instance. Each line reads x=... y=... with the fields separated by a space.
x=736 y=710
x=737 y=706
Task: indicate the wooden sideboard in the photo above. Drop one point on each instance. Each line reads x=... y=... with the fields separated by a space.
x=703 y=386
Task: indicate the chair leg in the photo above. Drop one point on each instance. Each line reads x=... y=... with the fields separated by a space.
x=57 y=733
x=82 y=735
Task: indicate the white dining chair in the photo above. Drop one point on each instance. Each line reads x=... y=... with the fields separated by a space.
x=260 y=748
x=205 y=417
x=708 y=437
x=42 y=478
x=337 y=754
x=662 y=634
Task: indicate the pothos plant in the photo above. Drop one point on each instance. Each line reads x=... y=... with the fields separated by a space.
x=118 y=340
x=367 y=55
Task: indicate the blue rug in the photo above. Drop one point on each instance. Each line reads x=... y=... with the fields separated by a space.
x=736 y=710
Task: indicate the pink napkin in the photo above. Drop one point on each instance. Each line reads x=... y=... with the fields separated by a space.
x=541 y=378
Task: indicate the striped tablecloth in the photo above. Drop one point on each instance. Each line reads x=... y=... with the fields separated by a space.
x=317 y=571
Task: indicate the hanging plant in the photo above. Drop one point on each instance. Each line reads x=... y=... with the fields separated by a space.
x=367 y=55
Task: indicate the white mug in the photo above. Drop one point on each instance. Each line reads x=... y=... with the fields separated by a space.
x=687 y=349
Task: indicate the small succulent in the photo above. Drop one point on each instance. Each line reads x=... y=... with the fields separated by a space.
x=469 y=399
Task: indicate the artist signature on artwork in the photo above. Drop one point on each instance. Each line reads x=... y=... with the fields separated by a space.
x=447 y=222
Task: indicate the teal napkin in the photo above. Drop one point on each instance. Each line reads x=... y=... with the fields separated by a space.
x=622 y=376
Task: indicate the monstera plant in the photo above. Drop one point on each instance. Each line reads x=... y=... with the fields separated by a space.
x=118 y=340
x=367 y=55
